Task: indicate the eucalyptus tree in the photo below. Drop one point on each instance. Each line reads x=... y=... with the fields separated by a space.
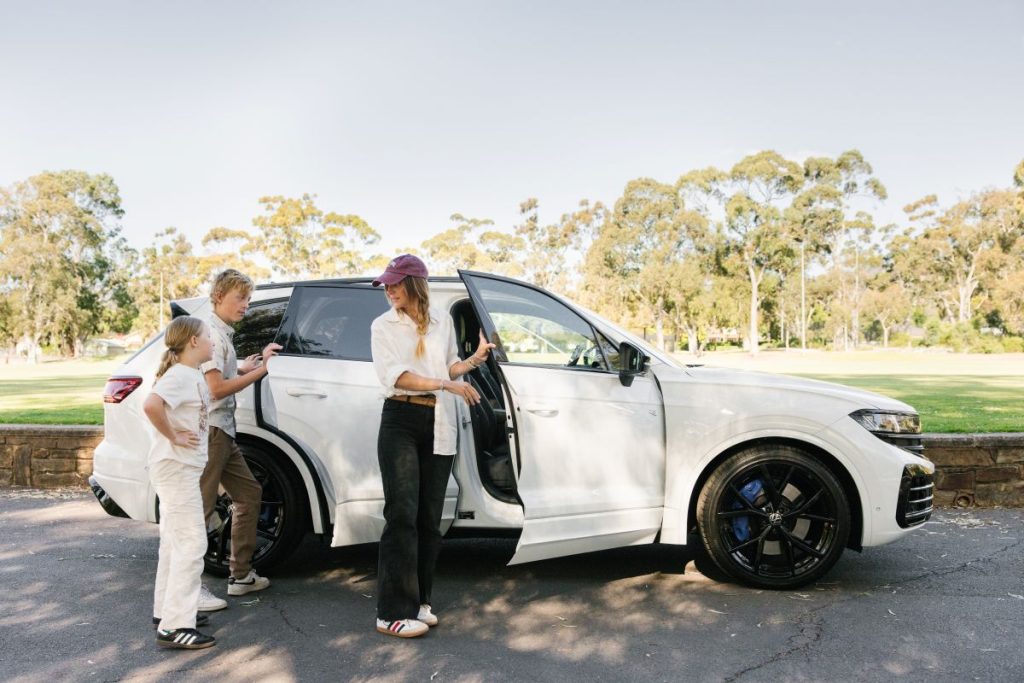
x=888 y=301
x=551 y=254
x=828 y=224
x=646 y=261
x=469 y=244
x=757 y=237
x=165 y=270
x=300 y=240
x=955 y=254
x=169 y=268
x=63 y=260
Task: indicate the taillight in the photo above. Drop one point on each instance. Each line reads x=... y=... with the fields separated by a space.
x=118 y=388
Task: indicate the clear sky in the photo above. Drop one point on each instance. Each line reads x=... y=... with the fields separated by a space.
x=406 y=112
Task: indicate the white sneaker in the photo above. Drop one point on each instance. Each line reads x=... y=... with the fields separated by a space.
x=250 y=583
x=208 y=602
x=403 y=628
x=426 y=616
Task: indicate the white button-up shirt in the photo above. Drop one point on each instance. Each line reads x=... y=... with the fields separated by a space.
x=222 y=411
x=393 y=345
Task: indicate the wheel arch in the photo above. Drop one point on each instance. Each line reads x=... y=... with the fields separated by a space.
x=819 y=453
x=296 y=461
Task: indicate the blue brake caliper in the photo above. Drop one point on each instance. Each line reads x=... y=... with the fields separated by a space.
x=741 y=525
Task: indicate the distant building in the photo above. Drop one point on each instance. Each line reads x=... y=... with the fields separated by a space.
x=104 y=348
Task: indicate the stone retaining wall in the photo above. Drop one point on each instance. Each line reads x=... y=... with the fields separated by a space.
x=46 y=456
x=973 y=469
x=977 y=469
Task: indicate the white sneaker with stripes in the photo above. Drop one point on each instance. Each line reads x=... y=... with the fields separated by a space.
x=184 y=639
x=403 y=628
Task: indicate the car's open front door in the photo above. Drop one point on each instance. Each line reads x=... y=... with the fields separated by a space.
x=590 y=450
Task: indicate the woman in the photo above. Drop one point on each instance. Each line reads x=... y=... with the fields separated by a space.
x=415 y=357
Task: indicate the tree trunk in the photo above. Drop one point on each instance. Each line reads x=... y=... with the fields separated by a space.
x=754 y=305
x=692 y=342
x=659 y=325
x=966 y=291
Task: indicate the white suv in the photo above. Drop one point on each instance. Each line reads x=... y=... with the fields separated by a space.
x=588 y=439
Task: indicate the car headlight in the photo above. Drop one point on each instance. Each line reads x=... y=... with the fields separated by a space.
x=897 y=428
x=888 y=422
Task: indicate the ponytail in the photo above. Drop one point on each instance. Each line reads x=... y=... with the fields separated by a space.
x=419 y=292
x=168 y=359
x=176 y=338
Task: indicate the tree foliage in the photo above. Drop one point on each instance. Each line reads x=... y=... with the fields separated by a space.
x=300 y=240
x=63 y=260
x=770 y=250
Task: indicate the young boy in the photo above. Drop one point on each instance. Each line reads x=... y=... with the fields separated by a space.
x=226 y=467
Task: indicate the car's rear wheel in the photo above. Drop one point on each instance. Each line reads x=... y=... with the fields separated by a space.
x=773 y=517
x=282 y=520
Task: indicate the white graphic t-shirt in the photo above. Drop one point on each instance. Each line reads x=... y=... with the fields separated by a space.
x=184 y=391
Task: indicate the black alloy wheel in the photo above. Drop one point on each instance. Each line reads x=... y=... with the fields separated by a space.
x=774 y=517
x=282 y=519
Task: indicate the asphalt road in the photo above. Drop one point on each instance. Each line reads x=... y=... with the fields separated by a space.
x=945 y=604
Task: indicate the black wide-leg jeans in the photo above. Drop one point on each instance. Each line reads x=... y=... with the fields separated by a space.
x=415 y=480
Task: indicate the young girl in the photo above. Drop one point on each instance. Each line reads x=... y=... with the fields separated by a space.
x=178 y=408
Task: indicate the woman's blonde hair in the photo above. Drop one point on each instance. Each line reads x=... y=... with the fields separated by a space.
x=176 y=338
x=418 y=291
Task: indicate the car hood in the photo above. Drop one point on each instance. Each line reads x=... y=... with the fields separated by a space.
x=773 y=385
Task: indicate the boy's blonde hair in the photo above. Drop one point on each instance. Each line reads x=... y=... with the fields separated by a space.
x=228 y=280
x=176 y=337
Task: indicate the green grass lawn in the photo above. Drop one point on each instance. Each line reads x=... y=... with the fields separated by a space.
x=62 y=392
x=951 y=403
x=953 y=392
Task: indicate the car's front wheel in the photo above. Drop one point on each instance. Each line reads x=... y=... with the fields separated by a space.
x=282 y=519
x=773 y=517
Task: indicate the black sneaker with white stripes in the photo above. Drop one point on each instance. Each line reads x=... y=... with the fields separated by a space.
x=184 y=639
x=201 y=620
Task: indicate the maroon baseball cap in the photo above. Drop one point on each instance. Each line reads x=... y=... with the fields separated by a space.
x=399 y=268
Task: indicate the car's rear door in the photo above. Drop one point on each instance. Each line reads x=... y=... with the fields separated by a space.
x=326 y=396
x=590 y=450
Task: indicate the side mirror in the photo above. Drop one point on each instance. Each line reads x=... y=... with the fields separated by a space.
x=632 y=362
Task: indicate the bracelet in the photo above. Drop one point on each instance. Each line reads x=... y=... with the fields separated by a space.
x=441 y=388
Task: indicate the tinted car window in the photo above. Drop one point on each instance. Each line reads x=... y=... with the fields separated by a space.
x=259 y=326
x=333 y=322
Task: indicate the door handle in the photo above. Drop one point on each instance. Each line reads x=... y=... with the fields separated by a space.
x=305 y=391
x=543 y=412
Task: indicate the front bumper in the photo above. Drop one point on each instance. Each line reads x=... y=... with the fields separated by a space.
x=917 y=489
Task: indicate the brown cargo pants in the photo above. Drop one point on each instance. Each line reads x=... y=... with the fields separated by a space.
x=226 y=467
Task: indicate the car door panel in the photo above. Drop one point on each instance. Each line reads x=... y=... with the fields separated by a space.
x=590 y=450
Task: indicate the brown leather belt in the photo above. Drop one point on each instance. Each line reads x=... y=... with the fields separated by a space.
x=429 y=401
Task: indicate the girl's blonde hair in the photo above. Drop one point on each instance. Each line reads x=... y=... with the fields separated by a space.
x=419 y=307
x=228 y=280
x=176 y=338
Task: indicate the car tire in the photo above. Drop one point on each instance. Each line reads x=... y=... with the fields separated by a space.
x=773 y=517
x=283 y=519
